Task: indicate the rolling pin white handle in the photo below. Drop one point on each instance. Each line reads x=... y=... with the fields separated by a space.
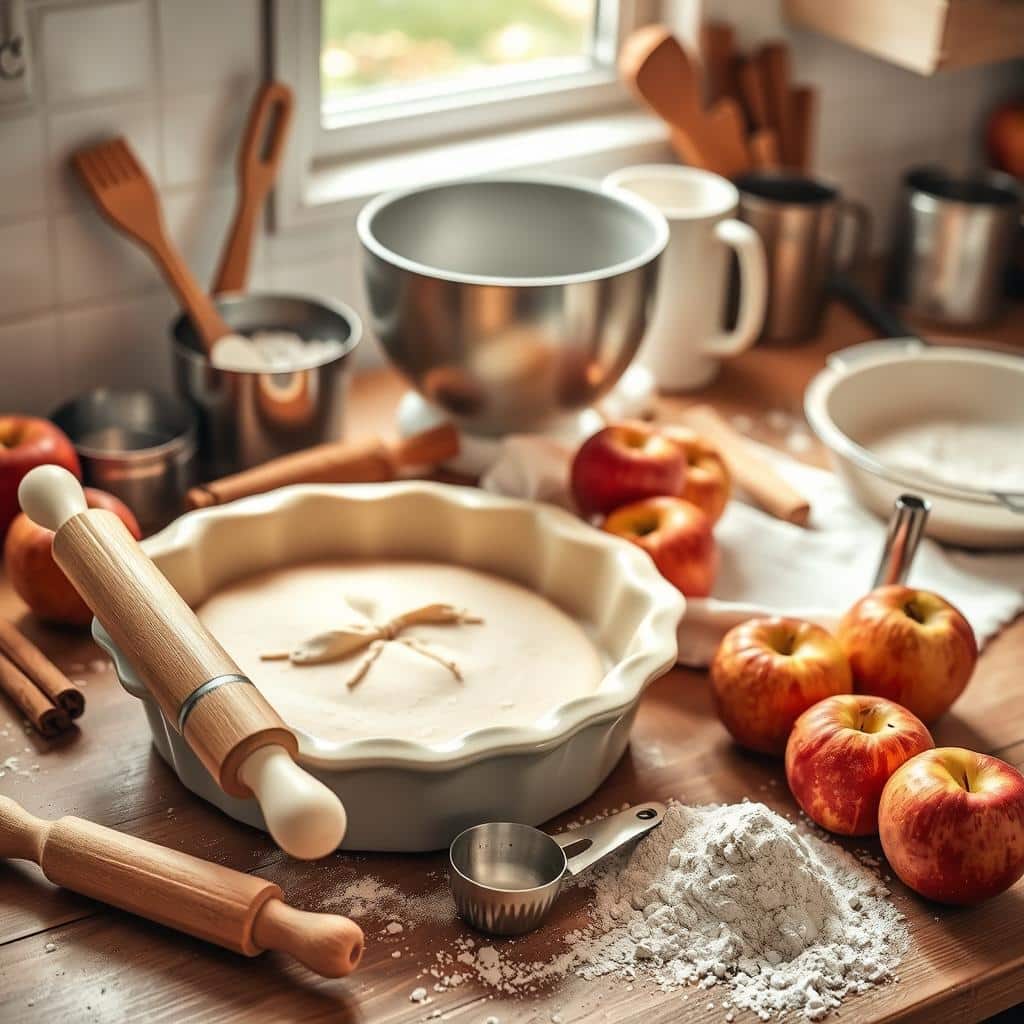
x=50 y=496
x=302 y=814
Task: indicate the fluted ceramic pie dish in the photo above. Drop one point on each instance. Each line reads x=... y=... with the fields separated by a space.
x=402 y=794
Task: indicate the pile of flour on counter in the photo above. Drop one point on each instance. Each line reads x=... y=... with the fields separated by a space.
x=730 y=895
x=734 y=894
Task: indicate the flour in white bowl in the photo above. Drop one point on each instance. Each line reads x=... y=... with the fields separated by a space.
x=982 y=456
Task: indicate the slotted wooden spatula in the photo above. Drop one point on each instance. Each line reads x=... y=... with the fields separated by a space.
x=258 y=160
x=125 y=196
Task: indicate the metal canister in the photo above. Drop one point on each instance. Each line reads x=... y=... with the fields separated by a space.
x=247 y=417
x=799 y=220
x=138 y=445
x=952 y=247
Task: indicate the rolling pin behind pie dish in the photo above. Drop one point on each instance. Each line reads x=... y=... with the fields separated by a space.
x=241 y=912
x=235 y=733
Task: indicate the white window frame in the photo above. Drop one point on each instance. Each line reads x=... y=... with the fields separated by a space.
x=327 y=172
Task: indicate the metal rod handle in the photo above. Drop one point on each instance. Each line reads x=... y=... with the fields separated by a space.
x=906 y=528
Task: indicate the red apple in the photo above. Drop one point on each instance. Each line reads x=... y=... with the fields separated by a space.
x=768 y=672
x=677 y=535
x=708 y=482
x=27 y=442
x=1004 y=137
x=624 y=463
x=910 y=646
x=951 y=823
x=841 y=753
x=38 y=580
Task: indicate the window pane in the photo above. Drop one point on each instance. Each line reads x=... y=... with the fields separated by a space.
x=385 y=44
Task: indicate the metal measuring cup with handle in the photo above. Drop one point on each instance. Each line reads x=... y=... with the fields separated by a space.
x=505 y=877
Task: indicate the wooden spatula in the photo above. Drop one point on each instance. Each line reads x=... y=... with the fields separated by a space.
x=125 y=196
x=718 y=55
x=773 y=63
x=258 y=161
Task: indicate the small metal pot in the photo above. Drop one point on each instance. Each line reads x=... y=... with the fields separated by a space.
x=246 y=418
x=138 y=445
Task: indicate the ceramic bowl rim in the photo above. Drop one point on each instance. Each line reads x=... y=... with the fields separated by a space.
x=892 y=351
x=653 y=649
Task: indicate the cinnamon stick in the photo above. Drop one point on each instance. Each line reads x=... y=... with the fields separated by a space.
x=753 y=474
x=368 y=461
x=46 y=718
x=40 y=670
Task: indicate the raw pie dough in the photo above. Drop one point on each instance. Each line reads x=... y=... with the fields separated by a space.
x=524 y=660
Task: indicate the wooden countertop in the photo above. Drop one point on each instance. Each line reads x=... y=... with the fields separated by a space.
x=965 y=964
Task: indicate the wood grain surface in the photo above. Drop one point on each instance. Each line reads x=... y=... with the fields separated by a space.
x=965 y=964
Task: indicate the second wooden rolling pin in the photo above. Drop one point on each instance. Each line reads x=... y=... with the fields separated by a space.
x=241 y=912
x=340 y=462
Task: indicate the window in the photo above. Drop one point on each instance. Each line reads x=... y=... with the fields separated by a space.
x=378 y=79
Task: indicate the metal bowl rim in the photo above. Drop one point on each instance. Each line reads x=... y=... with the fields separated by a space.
x=339 y=309
x=647 y=210
x=183 y=442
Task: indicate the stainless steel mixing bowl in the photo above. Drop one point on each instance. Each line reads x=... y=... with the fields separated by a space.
x=508 y=302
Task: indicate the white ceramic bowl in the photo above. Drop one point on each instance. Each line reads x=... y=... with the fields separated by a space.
x=868 y=389
x=401 y=794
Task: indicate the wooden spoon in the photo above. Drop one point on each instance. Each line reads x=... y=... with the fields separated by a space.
x=773 y=63
x=113 y=176
x=258 y=161
x=658 y=70
x=241 y=912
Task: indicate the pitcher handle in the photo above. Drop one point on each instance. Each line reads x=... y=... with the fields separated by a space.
x=753 y=280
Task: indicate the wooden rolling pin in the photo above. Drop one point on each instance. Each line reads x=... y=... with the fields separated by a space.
x=235 y=733
x=349 y=462
x=241 y=912
x=753 y=474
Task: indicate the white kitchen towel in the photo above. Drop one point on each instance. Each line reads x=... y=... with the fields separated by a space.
x=772 y=567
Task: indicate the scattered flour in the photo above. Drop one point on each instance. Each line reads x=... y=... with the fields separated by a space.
x=723 y=894
x=366 y=896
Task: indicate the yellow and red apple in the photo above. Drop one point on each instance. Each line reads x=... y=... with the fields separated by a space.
x=36 y=577
x=910 y=646
x=841 y=753
x=951 y=823
x=677 y=535
x=624 y=463
x=767 y=672
x=708 y=481
x=27 y=442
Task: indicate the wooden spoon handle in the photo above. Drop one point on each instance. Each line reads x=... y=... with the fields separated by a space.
x=258 y=161
x=241 y=912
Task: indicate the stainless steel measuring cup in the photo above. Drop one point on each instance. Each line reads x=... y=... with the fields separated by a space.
x=505 y=877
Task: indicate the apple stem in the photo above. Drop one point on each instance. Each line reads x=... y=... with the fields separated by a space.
x=913 y=611
x=967 y=783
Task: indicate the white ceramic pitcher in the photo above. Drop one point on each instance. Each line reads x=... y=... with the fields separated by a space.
x=685 y=340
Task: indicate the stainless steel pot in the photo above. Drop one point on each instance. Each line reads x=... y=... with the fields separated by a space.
x=509 y=302
x=138 y=445
x=246 y=418
x=953 y=242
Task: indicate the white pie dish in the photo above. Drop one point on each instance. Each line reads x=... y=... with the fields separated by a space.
x=401 y=794
x=868 y=389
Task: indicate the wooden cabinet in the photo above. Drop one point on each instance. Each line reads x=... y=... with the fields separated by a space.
x=923 y=35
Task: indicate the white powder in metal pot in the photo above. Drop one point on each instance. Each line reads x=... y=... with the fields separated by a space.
x=272 y=352
x=734 y=894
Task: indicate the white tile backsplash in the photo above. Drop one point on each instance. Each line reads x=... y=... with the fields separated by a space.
x=96 y=51
x=120 y=344
x=176 y=77
x=96 y=262
x=69 y=130
x=22 y=156
x=208 y=42
x=30 y=381
x=26 y=273
x=201 y=133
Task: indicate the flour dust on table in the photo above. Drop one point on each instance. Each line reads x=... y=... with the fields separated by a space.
x=730 y=897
